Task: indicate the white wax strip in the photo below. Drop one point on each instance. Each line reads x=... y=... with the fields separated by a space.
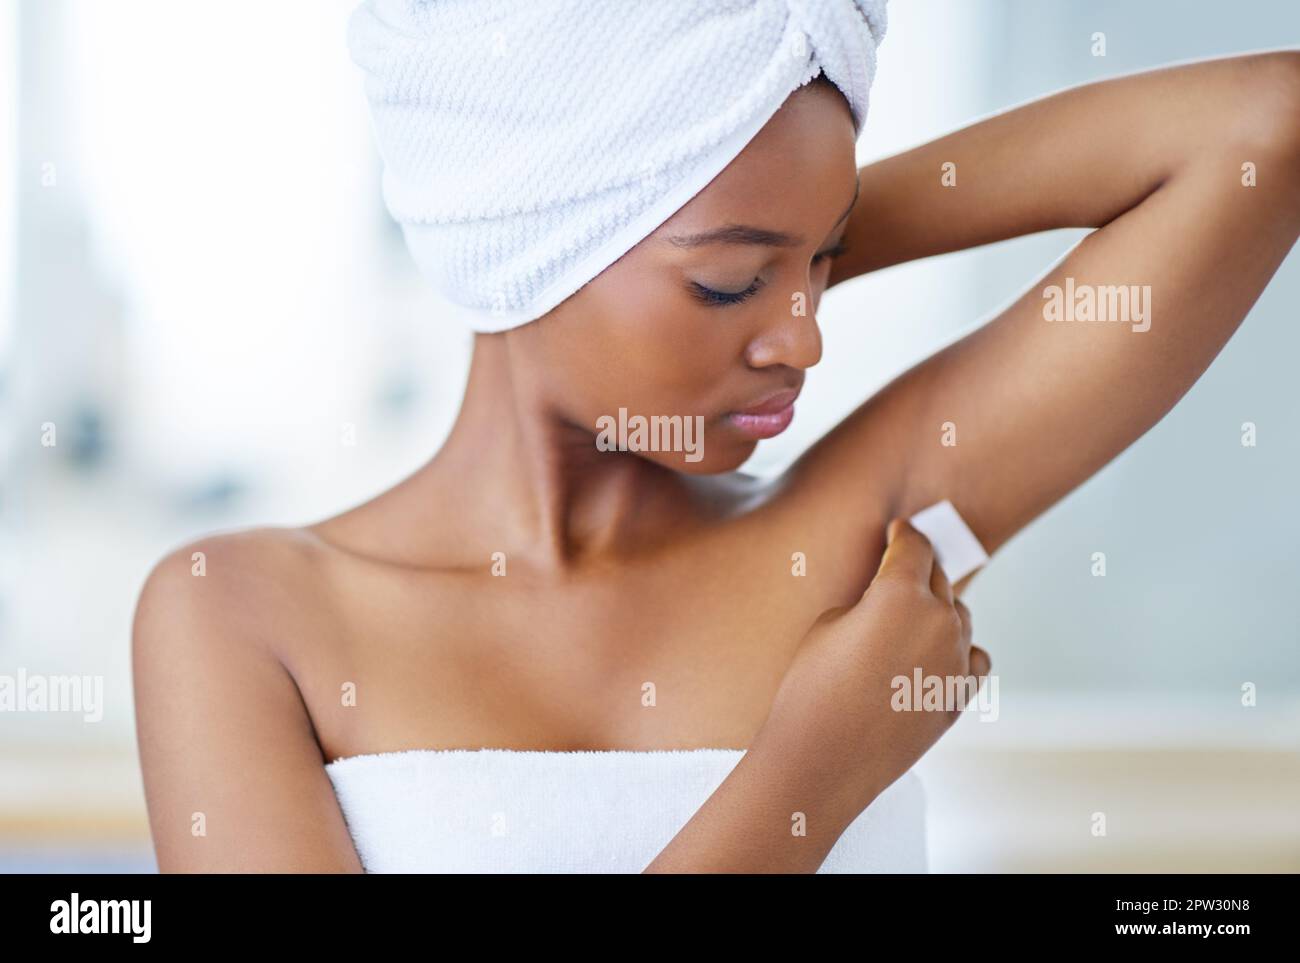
x=955 y=546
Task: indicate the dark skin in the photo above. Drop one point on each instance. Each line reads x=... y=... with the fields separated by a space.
x=627 y=568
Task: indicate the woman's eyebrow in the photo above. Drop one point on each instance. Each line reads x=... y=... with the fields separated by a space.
x=746 y=234
x=736 y=234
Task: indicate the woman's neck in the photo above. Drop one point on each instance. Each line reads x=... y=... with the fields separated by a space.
x=522 y=476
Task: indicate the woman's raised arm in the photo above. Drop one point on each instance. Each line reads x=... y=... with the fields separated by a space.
x=1078 y=158
x=1192 y=176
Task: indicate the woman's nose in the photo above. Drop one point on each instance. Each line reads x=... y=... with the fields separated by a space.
x=792 y=338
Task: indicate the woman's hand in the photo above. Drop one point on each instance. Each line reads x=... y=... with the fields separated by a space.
x=832 y=741
x=835 y=709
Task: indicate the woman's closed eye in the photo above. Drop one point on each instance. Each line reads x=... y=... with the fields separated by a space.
x=714 y=297
x=831 y=253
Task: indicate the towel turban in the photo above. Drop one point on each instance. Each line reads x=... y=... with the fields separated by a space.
x=529 y=144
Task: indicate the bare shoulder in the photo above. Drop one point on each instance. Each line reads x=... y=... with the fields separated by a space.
x=244 y=586
x=231 y=763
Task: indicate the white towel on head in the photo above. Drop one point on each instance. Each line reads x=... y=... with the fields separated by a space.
x=529 y=144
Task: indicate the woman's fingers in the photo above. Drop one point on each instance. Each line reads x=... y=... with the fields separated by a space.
x=964 y=614
x=908 y=554
x=978 y=661
x=939 y=583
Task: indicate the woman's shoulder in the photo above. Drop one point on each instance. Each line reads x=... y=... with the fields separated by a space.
x=257 y=586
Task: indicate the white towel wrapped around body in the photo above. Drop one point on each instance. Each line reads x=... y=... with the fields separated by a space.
x=528 y=144
x=512 y=811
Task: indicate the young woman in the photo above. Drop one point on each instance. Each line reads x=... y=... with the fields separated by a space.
x=535 y=654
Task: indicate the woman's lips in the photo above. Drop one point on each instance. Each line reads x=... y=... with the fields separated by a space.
x=768 y=418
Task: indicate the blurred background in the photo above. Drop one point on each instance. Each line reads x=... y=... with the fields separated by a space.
x=199 y=288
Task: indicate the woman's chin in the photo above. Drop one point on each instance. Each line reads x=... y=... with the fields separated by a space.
x=717 y=460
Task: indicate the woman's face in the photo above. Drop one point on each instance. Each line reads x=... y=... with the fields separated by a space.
x=712 y=318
